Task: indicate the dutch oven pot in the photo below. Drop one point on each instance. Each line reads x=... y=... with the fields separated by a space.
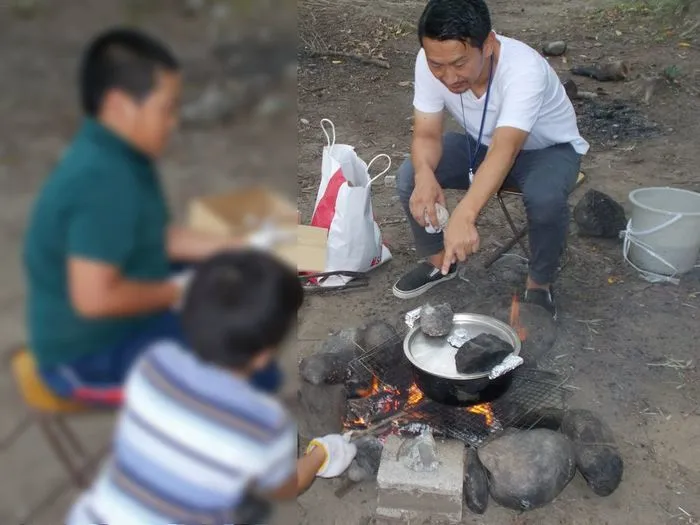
x=432 y=361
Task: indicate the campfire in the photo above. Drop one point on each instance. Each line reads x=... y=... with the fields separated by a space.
x=394 y=404
x=363 y=381
x=374 y=406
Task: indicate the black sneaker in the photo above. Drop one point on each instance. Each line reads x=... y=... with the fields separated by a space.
x=421 y=279
x=543 y=298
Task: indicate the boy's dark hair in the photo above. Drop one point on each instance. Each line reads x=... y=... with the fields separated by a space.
x=121 y=58
x=239 y=304
x=468 y=21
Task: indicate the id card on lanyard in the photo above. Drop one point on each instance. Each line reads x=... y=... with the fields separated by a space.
x=472 y=159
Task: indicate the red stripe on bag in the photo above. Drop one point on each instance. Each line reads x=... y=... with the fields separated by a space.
x=325 y=211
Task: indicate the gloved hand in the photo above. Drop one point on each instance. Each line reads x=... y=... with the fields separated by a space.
x=269 y=236
x=339 y=454
x=182 y=281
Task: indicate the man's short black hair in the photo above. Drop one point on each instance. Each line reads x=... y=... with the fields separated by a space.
x=238 y=305
x=122 y=58
x=468 y=21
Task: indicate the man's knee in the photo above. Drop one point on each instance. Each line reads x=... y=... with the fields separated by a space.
x=405 y=180
x=547 y=207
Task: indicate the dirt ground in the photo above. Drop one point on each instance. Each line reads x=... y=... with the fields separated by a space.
x=615 y=329
x=613 y=325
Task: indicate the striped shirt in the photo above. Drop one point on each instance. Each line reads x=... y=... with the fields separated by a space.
x=191 y=440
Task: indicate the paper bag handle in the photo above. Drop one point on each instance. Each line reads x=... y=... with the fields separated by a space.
x=329 y=143
x=383 y=172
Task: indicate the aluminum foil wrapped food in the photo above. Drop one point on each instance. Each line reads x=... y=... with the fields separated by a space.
x=442 y=216
x=412 y=317
x=511 y=362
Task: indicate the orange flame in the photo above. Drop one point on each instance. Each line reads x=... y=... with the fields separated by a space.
x=415 y=396
x=515 y=319
x=485 y=410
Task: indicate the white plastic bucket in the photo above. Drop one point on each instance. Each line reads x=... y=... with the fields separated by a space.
x=662 y=240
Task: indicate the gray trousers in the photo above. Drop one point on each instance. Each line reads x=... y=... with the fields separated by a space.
x=545 y=176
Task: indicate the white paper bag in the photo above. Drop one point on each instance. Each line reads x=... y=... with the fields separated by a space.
x=344 y=207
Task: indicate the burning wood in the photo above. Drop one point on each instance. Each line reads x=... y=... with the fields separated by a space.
x=484 y=410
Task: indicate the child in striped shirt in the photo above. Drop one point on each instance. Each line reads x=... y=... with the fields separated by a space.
x=196 y=442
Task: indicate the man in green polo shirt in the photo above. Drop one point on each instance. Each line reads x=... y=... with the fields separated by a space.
x=99 y=245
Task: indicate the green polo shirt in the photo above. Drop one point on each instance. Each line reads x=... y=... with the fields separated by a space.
x=104 y=202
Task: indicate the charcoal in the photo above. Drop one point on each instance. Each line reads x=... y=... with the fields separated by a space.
x=598 y=215
x=320 y=409
x=481 y=354
x=597 y=456
x=436 y=321
x=528 y=469
x=331 y=363
x=366 y=463
x=476 y=484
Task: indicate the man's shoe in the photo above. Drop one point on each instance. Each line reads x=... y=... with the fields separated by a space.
x=421 y=279
x=543 y=298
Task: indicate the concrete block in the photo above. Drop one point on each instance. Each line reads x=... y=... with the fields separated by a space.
x=413 y=497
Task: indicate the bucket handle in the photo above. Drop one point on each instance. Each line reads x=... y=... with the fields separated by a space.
x=632 y=237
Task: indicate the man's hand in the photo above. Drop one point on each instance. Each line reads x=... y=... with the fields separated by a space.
x=426 y=193
x=461 y=240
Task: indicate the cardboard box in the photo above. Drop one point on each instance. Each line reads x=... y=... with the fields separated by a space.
x=242 y=211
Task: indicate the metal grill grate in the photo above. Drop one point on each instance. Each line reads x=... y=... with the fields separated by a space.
x=533 y=399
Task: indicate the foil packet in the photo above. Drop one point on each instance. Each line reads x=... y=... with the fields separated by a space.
x=411 y=317
x=509 y=363
x=459 y=336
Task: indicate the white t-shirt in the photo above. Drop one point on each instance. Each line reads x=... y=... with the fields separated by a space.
x=526 y=93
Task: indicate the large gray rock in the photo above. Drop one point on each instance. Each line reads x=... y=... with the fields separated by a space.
x=476 y=484
x=597 y=456
x=436 y=321
x=554 y=49
x=599 y=215
x=366 y=463
x=528 y=469
x=331 y=363
x=377 y=334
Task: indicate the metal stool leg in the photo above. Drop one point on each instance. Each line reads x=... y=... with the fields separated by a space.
x=70 y=436
x=513 y=228
x=57 y=446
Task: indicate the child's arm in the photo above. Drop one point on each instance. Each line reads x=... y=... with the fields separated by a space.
x=98 y=290
x=307 y=468
x=188 y=245
x=326 y=457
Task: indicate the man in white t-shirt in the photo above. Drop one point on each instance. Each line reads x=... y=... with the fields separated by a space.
x=520 y=130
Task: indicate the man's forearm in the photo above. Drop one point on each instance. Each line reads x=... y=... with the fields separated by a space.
x=487 y=181
x=186 y=244
x=426 y=151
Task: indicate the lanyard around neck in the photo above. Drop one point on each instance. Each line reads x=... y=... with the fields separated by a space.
x=472 y=159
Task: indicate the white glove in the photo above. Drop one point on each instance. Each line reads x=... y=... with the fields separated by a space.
x=182 y=281
x=269 y=236
x=339 y=454
x=442 y=215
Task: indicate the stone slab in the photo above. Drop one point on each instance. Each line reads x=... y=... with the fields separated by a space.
x=409 y=496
